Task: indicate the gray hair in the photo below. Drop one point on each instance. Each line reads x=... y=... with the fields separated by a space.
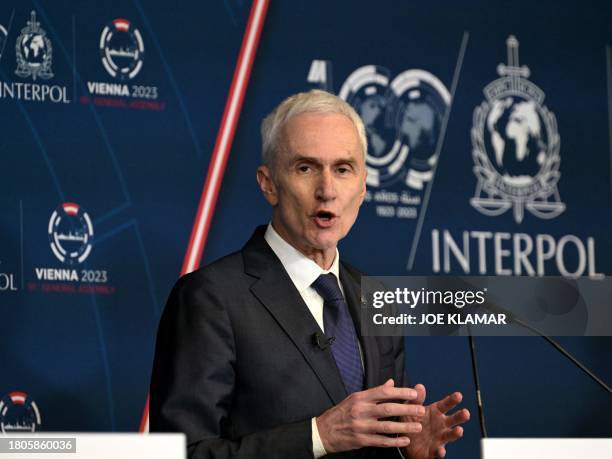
x=314 y=101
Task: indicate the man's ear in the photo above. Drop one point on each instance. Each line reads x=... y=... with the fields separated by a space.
x=267 y=185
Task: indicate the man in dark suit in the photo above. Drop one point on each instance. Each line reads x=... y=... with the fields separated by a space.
x=259 y=354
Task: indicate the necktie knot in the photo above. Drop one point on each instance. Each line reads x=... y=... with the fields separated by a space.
x=327 y=286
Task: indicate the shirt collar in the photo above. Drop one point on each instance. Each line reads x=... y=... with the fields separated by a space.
x=301 y=269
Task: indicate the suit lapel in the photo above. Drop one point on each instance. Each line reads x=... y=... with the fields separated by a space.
x=369 y=346
x=275 y=290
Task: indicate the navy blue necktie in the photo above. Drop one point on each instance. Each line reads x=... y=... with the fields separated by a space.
x=339 y=324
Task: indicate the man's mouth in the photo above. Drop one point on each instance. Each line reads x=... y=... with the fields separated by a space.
x=324 y=218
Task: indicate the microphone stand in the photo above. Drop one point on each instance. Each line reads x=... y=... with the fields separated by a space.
x=560 y=348
x=481 y=417
x=552 y=342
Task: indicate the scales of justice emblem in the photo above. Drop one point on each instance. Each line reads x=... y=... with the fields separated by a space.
x=34 y=51
x=515 y=146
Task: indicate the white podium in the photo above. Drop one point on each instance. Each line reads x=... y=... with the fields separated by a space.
x=546 y=448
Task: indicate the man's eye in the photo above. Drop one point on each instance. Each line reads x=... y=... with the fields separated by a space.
x=304 y=168
x=344 y=170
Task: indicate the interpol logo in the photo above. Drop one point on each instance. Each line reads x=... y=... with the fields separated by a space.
x=121 y=49
x=18 y=413
x=34 y=51
x=70 y=233
x=515 y=146
x=403 y=118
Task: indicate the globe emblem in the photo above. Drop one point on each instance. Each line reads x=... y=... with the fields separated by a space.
x=402 y=118
x=372 y=110
x=33 y=49
x=516 y=139
x=419 y=126
x=515 y=146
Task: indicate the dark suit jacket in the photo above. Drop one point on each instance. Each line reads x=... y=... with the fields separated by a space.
x=236 y=367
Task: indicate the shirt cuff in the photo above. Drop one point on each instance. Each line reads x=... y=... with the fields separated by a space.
x=318 y=450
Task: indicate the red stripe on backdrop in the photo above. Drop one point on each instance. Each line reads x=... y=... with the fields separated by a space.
x=221 y=151
x=144 y=422
x=225 y=136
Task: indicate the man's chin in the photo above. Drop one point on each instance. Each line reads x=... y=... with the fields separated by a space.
x=325 y=243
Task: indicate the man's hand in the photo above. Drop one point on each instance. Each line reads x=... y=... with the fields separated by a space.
x=359 y=420
x=438 y=427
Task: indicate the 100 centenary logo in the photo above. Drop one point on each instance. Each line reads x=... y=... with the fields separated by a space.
x=403 y=117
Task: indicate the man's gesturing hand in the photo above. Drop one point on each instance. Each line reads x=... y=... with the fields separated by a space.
x=438 y=427
x=360 y=419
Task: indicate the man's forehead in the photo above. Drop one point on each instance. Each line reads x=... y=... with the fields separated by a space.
x=314 y=134
x=311 y=120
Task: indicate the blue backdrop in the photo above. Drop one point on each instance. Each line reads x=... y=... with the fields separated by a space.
x=113 y=108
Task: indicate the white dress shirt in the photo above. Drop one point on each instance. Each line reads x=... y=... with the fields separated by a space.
x=303 y=272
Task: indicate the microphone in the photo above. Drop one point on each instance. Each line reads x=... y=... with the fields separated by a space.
x=513 y=318
x=552 y=342
x=322 y=341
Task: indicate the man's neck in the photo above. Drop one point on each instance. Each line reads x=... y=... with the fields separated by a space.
x=324 y=260
x=322 y=257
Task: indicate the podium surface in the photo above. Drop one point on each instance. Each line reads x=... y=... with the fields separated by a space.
x=546 y=448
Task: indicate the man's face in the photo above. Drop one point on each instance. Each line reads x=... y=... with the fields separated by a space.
x=316 y=183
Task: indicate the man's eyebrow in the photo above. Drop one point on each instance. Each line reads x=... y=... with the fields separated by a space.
x=313 y=159
x=304 y=158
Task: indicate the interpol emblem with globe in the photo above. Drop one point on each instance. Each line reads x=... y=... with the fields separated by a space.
x=34 y=51
x=515 y=146
x=402 y=117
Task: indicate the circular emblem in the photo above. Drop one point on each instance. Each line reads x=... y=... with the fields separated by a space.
x=18 y=413
x=70 y=233
x=403 y=118
x=34 y=51
x=121 y=49
x=518 y=144
x=515 y=146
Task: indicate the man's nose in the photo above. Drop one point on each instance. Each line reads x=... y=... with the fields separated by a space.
x=326 y=186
